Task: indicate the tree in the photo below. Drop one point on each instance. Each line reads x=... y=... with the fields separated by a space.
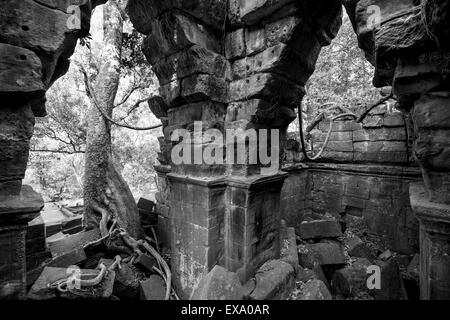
x=107 y=196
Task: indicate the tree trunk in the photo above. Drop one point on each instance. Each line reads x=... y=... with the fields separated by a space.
x=106 y=195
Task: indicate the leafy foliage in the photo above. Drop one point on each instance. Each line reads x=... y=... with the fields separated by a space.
x=56 y=164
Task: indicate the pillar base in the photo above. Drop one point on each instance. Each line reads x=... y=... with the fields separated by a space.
x=15 y=213
x=252 y=223
x=197 y=213
x=434 y=221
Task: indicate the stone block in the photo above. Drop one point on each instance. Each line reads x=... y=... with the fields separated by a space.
x=70 y=243
x=289 y=252
x=204 y=87
x=146 y=263
x=358 y=249
x=274 y=281
x=210 y=12
x=320 y=229
x=235 y=44
x=305 y=275
x=126 y=282
x=17 y=128
x=252 y=12
x=146 y=205
x=394 y=120
x=248 y=288
x=154 y=288
x=391 y=282
x=326 y=254
x=431 y=111
x=68 y=259
x=340 y=126
x=218 y=284
x=39 y=29
x=266 y=85
x=351 y=280
x=158 y=107
x=172 y=33
x=276 y=59
x=315 y=290
x=381 y=157
x=255 y=40
x=190 y=61
x=380 y=134
x=340 y=146
x=21 y=71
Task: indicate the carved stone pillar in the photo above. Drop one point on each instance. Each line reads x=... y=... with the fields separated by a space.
x=434 y=244
x=252 y=223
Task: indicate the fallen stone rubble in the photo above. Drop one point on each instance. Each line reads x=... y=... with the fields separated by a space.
x=321 y=259
x=87 y=265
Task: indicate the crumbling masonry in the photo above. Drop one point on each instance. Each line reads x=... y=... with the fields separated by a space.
x=239 y=64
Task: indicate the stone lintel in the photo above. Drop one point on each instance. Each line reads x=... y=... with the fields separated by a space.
x=162 y=169
x=256 y=182
x=431 y=214
x=205 y=182
x=372 y=170
x=21 y=209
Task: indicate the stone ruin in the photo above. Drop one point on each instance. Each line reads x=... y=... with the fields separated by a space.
x=244 y=64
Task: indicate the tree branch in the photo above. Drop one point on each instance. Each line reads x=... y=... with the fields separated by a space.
x=57 y=151
x=91 y=95
x=370 y=108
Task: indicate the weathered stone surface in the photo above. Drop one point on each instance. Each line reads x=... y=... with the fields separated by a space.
x=248 y=288
x=351 y=280
x=204 y=87
x=146 y=263
x=126 y=282
x=194 y=60
x=20 y=71
x=266 y=85
x=255 y=40
x=392 y=134
x=154 y=288
x=391 y=281
x=324 y=253
x=235 y=44
x=219 y=284
x=277 y=59
x=40 y=29
x=305 y=275
x=17 y=125
x=289 y=252
x=142 y=12
x=358 y=249
x=70 y=243
x=68 y=259
x=253 y=11
x=21 y=208
x=380 y=146
x=315 y=290
x=274 y=281
x=320 y=229
x=175 y=32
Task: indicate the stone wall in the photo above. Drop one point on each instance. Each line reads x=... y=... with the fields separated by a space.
x=382 y=137
x=376 y=195
x=234 y=65
x=36 y=42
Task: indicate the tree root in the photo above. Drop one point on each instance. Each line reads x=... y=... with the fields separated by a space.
x=64 y=284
